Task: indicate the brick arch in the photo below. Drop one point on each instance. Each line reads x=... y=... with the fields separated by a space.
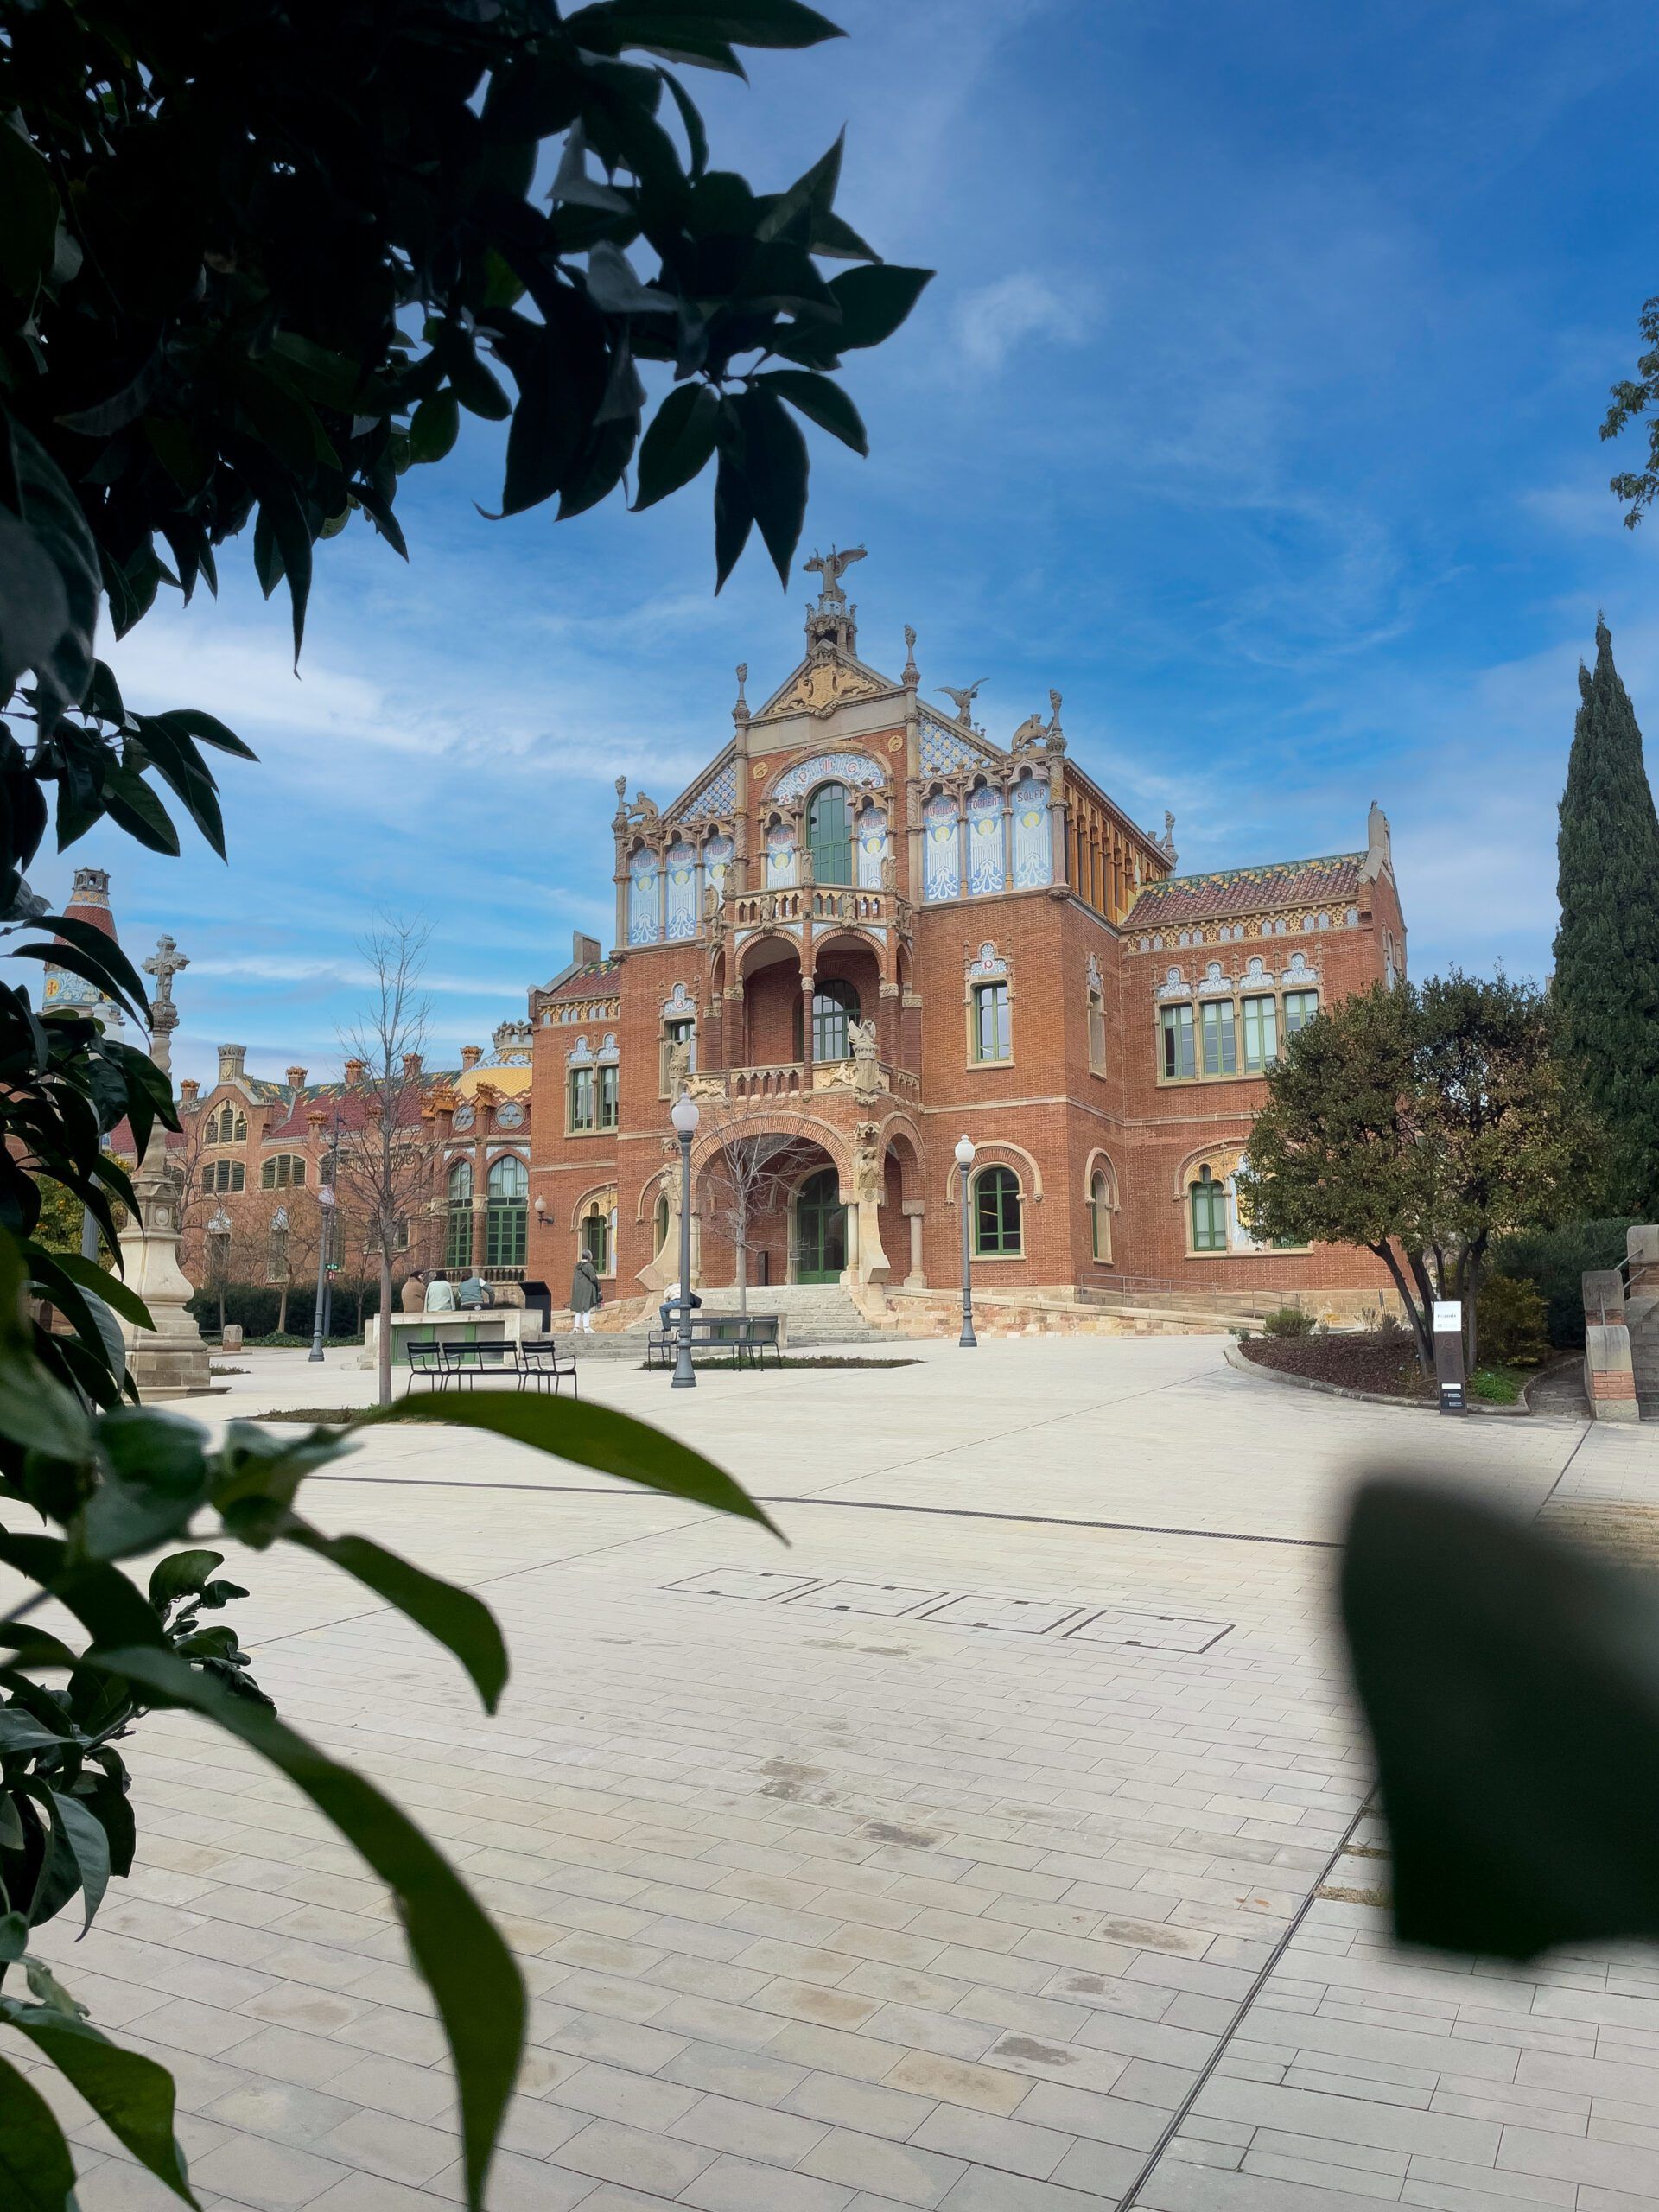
x=1030 y=1181
x=899 y=1124
x=810 y=1128
x=606 y=1189
x=1221 y=1155
x=1100 y=1158
x=658 y=1181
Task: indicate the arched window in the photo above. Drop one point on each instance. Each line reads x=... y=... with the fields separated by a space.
x=1100 y=1214
x=286 y=1172
x=506 y=1220
x=228 y=1126
x=596 y=1237
x=458 y=1227
x=1209 y=1204
x=996 y=1214
x=829 y=834
x=834 y=1008
x=276 y=1247
x=659 y=1225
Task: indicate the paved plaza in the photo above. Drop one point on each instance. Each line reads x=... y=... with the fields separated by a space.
x=999 y=1844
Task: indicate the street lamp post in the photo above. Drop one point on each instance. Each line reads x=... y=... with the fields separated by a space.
x=967 y=1340
x=685 y=1117
x=325 y=1203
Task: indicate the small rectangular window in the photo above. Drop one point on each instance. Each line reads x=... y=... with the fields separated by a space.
x=1300 y=1007
x=609 y=1094
x=992 y=1028
x=1179 y=1062
x=1261 y=1035
x=1220 y=1039
x=582 y=1098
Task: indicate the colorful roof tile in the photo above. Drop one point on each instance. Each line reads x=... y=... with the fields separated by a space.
x=1229 y=891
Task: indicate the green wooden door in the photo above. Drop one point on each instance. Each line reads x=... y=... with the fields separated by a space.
x=820 y=1228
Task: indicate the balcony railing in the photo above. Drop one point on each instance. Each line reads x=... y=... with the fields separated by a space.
x=791 y=1080
x=823 y=905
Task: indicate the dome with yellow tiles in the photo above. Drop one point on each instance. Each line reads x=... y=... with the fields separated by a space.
x=506 y=1069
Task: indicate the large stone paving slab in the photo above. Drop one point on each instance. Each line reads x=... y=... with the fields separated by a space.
x=829 y=1897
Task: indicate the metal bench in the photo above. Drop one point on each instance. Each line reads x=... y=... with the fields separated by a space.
x=544 y=1365
x=748 y=1335
x=467 y=1361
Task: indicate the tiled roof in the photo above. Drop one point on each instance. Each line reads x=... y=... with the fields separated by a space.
x=592 y=980
x=1246 y=890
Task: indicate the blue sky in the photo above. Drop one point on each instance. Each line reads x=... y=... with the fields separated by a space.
x=1254 y=406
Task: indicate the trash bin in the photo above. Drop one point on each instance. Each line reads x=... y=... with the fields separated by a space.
x=538 y=1300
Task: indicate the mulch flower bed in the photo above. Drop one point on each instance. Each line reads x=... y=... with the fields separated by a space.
x=1361 y=1362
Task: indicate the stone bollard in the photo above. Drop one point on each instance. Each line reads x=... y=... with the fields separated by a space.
x=231 y=1340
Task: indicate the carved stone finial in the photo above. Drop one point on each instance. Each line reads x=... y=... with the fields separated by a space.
x=1167 y=843
x=910 y=641
x=912 y=675
x=742 y=676
x=1054 y=704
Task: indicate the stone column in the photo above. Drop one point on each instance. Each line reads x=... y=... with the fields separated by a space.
x=808 y=985
x=480 y=1226
x=917 y=1278
x=170 y=1360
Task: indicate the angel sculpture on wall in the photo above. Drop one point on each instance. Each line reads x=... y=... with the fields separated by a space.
x=964 y=699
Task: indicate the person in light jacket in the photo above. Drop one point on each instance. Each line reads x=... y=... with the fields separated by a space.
x=586 y=1296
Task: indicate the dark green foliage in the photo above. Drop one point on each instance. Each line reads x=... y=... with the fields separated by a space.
x=253 y=1308
x=1422 y=1121
x=1510 y=1690
x=1633 y=395
x=1607 y=946
x=1513 y=1325
x=1287 y=1321
x=1557 y=1259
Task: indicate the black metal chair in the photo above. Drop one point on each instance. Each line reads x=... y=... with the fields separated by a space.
x=426 y=1360
x=545 y=1365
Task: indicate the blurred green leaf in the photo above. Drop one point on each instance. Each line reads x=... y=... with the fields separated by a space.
x=35 y=2169
x=460 y=1622
x=591 y=1436
x=477 y=1987
x=679 y=442
x=1512 y=1689
x=130 y=2093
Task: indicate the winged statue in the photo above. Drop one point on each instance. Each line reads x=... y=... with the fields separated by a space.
x=964 y=699
x=830 y=566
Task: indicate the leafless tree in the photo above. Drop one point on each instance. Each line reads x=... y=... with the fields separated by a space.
x=752 y=1173
x=385 y=1164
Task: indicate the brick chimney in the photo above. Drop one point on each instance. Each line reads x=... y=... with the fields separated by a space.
x=189 y=1090
x=296 y=1079
x=412 y=1067
x=355 y=1071
x=470 y=1056
x=233 y=1063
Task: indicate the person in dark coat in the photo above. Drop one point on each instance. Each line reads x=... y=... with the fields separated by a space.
x=586 y=1296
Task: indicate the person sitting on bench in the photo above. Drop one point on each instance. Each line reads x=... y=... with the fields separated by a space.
x=669 y=1310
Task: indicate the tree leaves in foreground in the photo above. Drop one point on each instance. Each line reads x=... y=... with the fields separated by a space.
x=114 y=1486
x=1512 y=1689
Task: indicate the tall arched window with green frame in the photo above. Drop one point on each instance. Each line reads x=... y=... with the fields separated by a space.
x=458 y=1220
x=1208 y=1200
x=829 y=834
x=996 y=1214
x=507 y=1213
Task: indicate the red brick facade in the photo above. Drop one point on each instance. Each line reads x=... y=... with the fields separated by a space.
x=852 y=844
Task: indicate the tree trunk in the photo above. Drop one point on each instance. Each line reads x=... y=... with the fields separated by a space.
x=1419 y=1318
x=383 y=1348
x=282 y=1311
x=743 y=1269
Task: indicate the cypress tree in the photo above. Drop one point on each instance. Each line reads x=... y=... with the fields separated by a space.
x=1607 y=946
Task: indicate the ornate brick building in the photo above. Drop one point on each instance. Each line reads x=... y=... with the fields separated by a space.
x=866 y=928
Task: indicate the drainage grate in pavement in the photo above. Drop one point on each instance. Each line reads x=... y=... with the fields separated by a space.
x=1013 y=1616
x=1151 y=1631
x=1112 y=1624
x=884 y=1597
x=743 y=1582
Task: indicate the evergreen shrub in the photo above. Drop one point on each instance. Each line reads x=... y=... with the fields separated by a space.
x=1287 y=1321
x=1510 y=1323
x=1556 y=1260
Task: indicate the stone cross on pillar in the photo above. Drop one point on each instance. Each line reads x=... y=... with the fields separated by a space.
x=163 y=964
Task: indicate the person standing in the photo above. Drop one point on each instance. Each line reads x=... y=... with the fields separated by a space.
x=586 y=1296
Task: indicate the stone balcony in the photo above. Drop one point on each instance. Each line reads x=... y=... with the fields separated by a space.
x=825 y=905
x=793 y=1079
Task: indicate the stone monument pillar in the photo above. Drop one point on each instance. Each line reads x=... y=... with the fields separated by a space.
x=170 y=1360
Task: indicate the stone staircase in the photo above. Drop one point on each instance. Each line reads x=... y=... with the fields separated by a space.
x=816 y=1315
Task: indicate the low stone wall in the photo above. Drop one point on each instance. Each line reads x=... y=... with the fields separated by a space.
x=938 y=1313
